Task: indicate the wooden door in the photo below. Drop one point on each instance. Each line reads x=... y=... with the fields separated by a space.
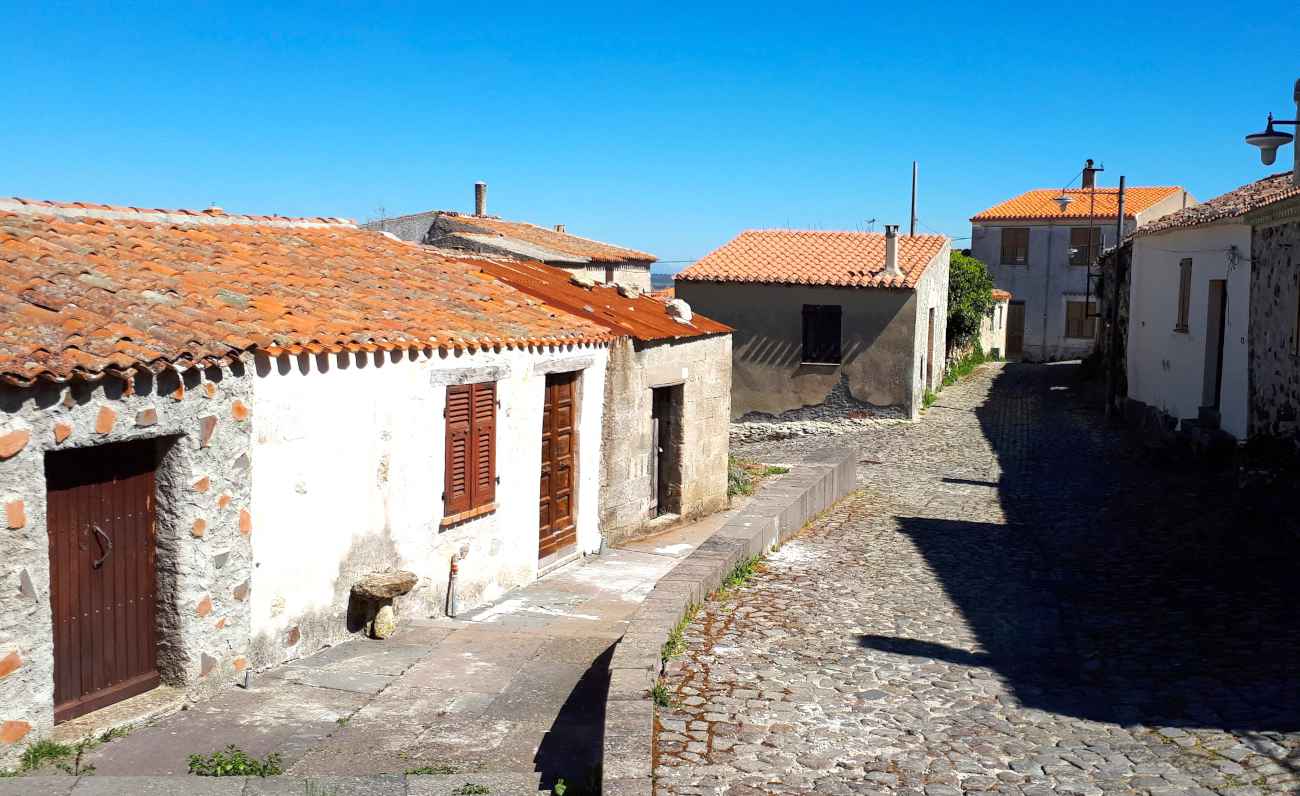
x=929 y=352
x=1216 y=315
x=1015 y=330
x=557 y=531
x=102 y=582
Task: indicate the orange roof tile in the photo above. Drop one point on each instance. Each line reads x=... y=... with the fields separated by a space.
x=637 y=315
x=1040 y=204
x=1001 y=295
x=95 y=289
x=797 y=257
x=548 y=239
x=1234 y=203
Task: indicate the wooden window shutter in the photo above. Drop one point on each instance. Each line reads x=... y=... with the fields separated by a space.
x=1184 y=293
x=485 y=445
x=456 y=493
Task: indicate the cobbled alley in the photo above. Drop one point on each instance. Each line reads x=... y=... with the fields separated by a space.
x=1020 y=599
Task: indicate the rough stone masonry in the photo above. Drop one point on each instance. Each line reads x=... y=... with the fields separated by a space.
x=199 y=421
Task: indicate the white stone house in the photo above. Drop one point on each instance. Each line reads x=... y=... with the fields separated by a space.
x=212 y=425
x=481 y=233
x=993 y=329
x=1042 y=254
x=1195 y=353
x=814 y=312
x=667 y=399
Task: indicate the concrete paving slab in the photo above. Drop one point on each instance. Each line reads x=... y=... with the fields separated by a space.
x=37 y=786
x=536 y=691
x=340 y=679
x=362 y=655
x=381 y=785
x=158 y=786
x=451 y=785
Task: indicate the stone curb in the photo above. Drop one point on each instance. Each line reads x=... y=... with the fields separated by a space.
x=376 y=785
x=779 y=511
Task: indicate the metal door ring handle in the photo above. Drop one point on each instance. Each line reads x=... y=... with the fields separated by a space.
x=108 y=547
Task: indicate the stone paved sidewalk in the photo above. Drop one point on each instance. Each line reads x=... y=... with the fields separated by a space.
x=1018 y=601
x=509 y=693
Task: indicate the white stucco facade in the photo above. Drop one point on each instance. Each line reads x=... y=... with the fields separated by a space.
x=931 y=294
x=1167 y=369
x=348 y=460
x=993 y=331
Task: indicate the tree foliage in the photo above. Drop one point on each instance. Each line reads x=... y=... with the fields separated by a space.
x=970 y=298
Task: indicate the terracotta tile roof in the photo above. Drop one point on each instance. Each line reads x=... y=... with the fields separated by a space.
x=666 y=294
x=641 y=316
x=1040 y=204
x=93 y=289
x=527 y=240
x=1001 y=295
x=1251 y=196
x=797 y=257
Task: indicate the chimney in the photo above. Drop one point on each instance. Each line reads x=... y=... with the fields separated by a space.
x=1089 y=175
x=891 y=250
x=480 y=199
x=559 y=227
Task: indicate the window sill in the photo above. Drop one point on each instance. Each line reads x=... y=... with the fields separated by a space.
x=466 y=516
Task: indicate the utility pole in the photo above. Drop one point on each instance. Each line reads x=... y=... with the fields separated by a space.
x=912 y=233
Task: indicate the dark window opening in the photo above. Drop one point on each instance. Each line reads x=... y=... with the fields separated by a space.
x=1085 y=245
x=1015 y=246
x=821 y=334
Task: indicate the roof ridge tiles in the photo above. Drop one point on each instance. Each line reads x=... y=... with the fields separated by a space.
x=212 y=215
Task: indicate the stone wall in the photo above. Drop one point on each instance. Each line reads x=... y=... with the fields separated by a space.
x=200 y=422
x=1274 y=365
x=702 y=366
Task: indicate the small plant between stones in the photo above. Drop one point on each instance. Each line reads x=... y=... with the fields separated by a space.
x=676 y=643
x=471 y=789
x=234 y=762
x=436 y=768
x=661 y=695
x=41 y=752
x=738 y=576
x=76 y=768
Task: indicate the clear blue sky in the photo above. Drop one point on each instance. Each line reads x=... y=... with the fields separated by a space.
x=663 y=127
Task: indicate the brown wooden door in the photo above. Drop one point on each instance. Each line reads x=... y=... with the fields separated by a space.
x=102 y=582
x=556 y=528
x=929 y=352
x=1015 y=330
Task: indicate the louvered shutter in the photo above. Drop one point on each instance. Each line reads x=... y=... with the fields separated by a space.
x=456 y=495
x=485 y=444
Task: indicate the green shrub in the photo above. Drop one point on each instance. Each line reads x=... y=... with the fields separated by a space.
x=970 y=299
x=233 y=762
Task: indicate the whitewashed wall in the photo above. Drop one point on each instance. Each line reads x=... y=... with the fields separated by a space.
x=931 y=291
x=1166 y=368
x=348 y=461
x=993 y=331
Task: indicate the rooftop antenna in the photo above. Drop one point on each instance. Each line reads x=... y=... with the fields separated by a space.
x=871 y=225
x=912 y=234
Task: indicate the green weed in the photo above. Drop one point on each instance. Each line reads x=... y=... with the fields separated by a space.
x=233 y=762
x=661 y=695
x=436 y=768
x=471 y=789
x=42 y=752
x=676 y=643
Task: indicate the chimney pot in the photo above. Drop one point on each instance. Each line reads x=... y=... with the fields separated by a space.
x=891 y=250
x=559 y=227
x=480 y=199
x=1089 y=175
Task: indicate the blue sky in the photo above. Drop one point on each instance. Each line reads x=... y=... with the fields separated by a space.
x=667 y=127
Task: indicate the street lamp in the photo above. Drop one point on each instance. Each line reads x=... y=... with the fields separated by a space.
x=1269 y=140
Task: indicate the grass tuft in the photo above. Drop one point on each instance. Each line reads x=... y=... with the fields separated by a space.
x=676 y=643
x=436 y=768
x=234 y=762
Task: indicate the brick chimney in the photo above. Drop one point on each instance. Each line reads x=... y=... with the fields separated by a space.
x=480 y=199
x=1089 y=175
x=891 y=250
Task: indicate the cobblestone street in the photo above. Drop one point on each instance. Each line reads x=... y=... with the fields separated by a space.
x=1019 y=600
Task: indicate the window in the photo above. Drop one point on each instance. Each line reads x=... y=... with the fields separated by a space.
x=1184 y=293
x=1077 y=322
x=1085 y=245
x=470 y=484
x=1015 y=246
x=821 y=334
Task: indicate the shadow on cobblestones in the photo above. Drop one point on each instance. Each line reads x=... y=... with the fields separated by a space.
x=1122 y=589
